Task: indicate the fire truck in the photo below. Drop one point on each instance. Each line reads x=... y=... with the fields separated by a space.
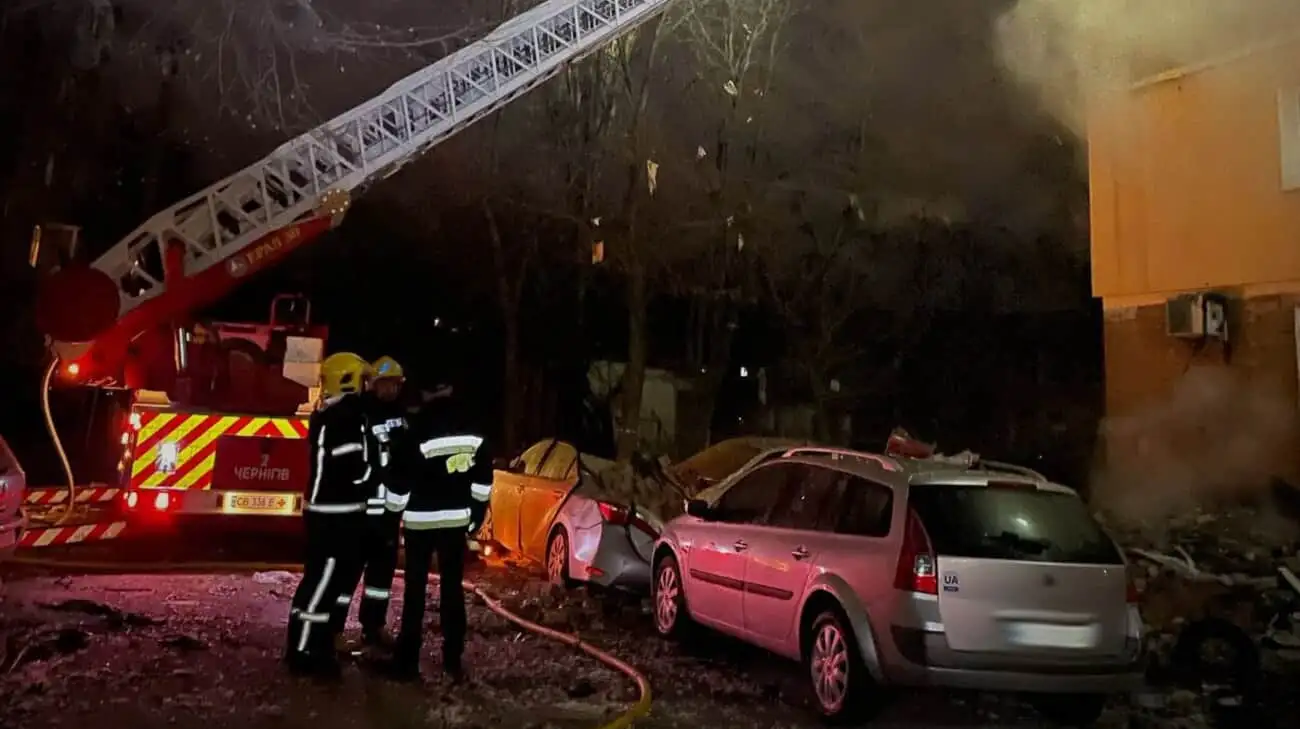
x=217 y=415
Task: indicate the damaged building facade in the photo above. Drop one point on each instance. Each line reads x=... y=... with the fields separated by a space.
x=1195 y=223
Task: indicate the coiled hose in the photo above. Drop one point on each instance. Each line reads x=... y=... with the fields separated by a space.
x=638 y=710
x=65 y=512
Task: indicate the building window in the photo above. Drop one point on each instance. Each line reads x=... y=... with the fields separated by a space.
x=1288 y=123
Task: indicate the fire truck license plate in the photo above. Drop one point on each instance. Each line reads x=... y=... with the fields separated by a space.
x=238 y=503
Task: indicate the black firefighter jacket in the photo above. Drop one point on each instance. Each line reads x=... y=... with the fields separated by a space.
x=342 y=451
x=390 y=429
x=445 y=479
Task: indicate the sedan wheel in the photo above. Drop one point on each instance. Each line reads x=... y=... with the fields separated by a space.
x=669 y=599
x=557 y=559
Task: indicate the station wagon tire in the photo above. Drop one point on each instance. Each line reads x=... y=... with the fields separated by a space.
x=557 y=559
x=842 y=688
x=1071 y=710
x=668 y=598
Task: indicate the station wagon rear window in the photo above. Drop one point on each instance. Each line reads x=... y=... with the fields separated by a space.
x=1019 y=523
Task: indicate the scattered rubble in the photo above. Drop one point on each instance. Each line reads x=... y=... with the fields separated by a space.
x=1218 y=614
x=660 y=488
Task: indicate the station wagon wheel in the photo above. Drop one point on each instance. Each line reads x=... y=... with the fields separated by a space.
x=669 y=597
x=841 y=685
x=557 y=559
x=830 y=666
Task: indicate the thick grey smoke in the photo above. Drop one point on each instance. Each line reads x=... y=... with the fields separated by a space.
x=1067 y=50
x=1215 y=440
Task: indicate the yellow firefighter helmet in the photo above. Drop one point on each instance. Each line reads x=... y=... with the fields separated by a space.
x=387 y=367
x=342 y=373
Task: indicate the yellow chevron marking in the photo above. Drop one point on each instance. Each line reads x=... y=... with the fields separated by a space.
x=192 y=449
x=197 y=472
x=153 y=426
x=253 y=427
x=179 y=434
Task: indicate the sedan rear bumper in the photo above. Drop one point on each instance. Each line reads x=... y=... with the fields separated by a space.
x=928 y=661
x=616 y=562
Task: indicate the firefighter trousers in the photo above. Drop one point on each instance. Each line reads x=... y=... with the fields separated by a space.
x=375 y=571
x=331 y=557
x=422 y=546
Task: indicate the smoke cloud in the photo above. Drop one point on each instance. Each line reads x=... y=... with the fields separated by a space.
x=1064 y=51
x=1216 y=440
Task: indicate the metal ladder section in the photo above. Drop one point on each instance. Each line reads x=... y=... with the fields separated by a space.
x=369 y=142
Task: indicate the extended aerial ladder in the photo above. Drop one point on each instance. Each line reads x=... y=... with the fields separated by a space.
x=191 y=254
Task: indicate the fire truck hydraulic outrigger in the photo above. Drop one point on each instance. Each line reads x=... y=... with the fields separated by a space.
x=217 y=416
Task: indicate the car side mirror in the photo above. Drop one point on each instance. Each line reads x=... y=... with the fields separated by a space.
x=699 y=509
x=501 y=464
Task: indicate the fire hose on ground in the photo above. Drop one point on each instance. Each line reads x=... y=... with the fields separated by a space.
x=638 y=710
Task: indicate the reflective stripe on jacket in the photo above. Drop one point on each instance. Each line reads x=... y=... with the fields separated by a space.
x=450 y=482
x=342 y=450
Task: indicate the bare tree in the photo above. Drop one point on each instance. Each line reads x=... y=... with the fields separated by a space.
x=267 y=62
x=816 y=289
x=737 y=46
x=602 y=185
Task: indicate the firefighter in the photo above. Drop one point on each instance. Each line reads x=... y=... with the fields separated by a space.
x=379 y=540
x=333 y=511
x=442 y=502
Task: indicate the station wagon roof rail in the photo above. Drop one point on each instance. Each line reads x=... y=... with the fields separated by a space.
x=1010 y=468
x=884 y=462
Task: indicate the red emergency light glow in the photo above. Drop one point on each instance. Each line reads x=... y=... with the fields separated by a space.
x=73 y=369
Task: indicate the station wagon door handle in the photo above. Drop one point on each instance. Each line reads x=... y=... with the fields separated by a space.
x=799 y=553
x=741 y=545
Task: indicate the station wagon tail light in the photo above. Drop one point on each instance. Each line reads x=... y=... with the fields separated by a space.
x=1131 y=595
x=916 y=562
x=617 y=515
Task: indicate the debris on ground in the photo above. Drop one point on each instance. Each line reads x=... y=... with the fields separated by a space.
x=1215 y=608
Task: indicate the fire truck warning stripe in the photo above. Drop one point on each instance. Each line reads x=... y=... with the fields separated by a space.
x=253 y=426
x=169 y=425
x=200 y=475
x=197 y=458
x=173 y=435
x=193 y=454
x=54 y=536
x=59 y=494
x=150 y=423
x=196 y=437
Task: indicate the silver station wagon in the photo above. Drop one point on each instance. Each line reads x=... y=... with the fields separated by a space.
x=878 y=571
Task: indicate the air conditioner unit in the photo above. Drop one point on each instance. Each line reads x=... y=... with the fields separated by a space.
x=1197 y=316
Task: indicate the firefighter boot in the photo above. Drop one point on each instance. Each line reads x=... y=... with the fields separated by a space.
x=454 y=669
